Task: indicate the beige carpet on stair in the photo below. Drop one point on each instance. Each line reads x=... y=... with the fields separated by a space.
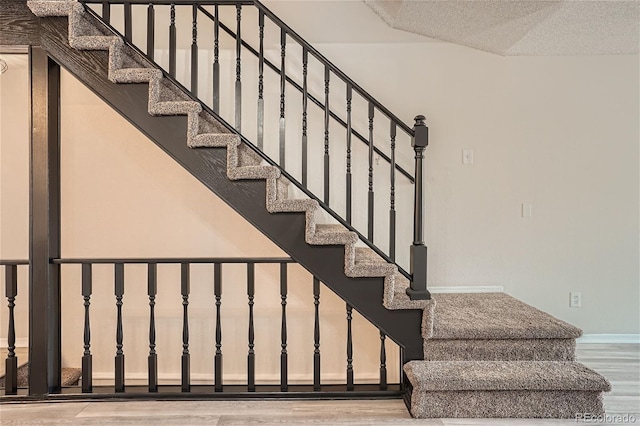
x=494 y=316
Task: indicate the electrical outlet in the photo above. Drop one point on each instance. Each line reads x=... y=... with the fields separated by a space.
x=575 y=299
x=526 y=210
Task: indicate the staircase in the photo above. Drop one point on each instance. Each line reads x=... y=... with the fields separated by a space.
x=469 y=355
x=490 y=355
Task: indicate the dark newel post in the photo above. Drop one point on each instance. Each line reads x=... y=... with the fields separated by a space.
x=44 y=226
x=11 y=363
x=418 y=289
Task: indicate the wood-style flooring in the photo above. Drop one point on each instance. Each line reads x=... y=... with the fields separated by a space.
x=620 y=363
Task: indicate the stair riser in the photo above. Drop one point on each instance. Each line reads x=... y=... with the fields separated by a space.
x=500 y=404
x=500 y=350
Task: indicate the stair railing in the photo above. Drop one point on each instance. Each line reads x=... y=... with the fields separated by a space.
x=302 y=175
x=222 y=277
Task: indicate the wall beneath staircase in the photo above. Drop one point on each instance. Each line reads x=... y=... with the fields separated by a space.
x=123 y=197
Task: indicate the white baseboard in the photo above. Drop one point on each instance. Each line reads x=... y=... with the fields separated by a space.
x=468 y=289
x=21 y=342
x=609 y=338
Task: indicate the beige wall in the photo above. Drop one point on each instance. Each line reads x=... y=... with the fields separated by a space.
x=14 y=186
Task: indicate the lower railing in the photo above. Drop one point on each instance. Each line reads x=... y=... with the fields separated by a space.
x=209 y=276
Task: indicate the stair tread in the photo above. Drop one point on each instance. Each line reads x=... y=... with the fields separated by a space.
x=494 y=316
x=503 y=375
x=366 y=255
x=330 y=229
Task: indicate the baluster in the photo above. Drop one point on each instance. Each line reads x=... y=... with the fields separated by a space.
x=251 y=360
x=383 y=362
x=87 y=380
x=184 y=287
x=418 y=259
x=238 y=70
x=261 y=81
x=305 y=63
x=194 y=51
x=370 y=203
x=326 y=134
x=349 y=349
x=152 y=290
x=151 y=31
x=119 y=292
x=216 y=64
x=172 y=42
x=217 y=289
x=349 y=97
x=11 y=364
x=316 y=335
x=106 y=11
x=127 y=21
x=284 y=386
x=283 y=81
x=392 y=208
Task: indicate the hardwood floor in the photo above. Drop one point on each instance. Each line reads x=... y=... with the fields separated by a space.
x=619 y=363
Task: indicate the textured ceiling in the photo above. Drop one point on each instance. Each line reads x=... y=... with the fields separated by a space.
x=521 y=27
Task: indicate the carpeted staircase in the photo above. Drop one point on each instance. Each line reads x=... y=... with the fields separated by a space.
x=491 y=355
x=486 y=355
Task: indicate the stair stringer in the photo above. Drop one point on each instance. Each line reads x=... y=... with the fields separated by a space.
x=235 y=176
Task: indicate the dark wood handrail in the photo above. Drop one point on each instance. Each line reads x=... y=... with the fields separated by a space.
x=11 y=262
x=173 y=260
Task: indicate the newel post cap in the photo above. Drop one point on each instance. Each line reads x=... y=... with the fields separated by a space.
x=420 y=138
